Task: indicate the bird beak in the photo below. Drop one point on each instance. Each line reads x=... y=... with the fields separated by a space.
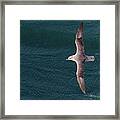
x=67 y=59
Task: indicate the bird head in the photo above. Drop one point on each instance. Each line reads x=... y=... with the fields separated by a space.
x=70 y=58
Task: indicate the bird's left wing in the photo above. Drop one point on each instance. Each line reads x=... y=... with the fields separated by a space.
x=79 y=40
x=80 y=76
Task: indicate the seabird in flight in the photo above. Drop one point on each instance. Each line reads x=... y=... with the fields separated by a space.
x=79 y=58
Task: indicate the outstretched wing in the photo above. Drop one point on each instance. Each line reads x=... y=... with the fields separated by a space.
x=79 y=40
x=80 y=77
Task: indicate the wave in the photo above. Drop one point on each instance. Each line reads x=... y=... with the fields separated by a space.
x=92 y=96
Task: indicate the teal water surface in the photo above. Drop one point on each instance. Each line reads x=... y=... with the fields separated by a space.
x=44 y=72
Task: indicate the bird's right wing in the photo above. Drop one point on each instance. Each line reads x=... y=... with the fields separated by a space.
x=80 y=77
x=79 y=40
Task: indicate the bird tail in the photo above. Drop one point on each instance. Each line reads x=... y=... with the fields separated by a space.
x=89 y=58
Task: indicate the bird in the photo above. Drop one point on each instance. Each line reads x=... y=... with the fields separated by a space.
x=80 y=58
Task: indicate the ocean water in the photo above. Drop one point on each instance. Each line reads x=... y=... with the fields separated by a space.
x=44 y=72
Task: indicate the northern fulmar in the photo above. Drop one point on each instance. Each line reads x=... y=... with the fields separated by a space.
x=79 y=58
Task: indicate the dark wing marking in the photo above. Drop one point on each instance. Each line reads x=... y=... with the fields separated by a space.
x=80 y=77
x=79 y=40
